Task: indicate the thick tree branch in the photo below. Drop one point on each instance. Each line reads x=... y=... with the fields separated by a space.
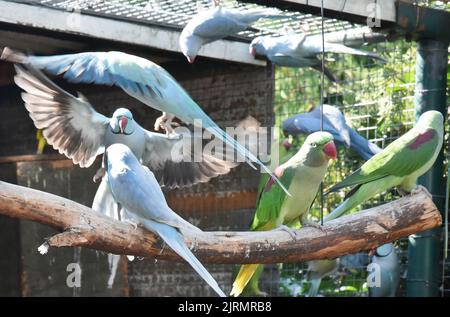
x=364 y=230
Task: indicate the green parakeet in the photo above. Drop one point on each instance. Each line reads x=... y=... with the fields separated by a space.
x=302 y=175
x=399 y=164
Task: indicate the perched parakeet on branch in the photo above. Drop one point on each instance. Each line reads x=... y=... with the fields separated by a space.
x=399 y=164
x=136 y=189
x=301 y=50
x=216 y=23
x=302 y=175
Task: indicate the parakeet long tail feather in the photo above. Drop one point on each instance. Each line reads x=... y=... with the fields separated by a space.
x=245 y=274
x=175 y=240
x=314 y=289
x=250 y=158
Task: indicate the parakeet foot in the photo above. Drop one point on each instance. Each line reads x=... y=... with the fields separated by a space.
x=418 y=188
x=314 y=225
x=291 y=232
x=131 y=222
x=99 y=175
x=165 y=122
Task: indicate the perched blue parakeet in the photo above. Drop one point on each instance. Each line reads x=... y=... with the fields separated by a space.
x=333 y=122
x=136 y=189
x=399 y=164
x=388 y=265
x=140 y=78
x=215 y=24
x=301 y=50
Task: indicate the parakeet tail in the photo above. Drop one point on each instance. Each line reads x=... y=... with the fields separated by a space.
x=245 y=274
x=113 y=262
x=175 y=240
x=339 y=48
x=314 y=289
x=250 y=158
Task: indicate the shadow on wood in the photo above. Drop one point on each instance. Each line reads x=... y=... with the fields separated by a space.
x=364 y=230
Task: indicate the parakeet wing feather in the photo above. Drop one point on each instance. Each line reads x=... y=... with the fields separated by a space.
x=270 y=200
x=177 y=162
x=70 y=124
x=395 y=159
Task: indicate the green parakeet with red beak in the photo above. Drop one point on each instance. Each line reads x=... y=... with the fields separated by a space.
x=398 y=165
x=302 y=175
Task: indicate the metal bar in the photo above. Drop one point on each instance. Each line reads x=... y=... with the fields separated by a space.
x=424 y=251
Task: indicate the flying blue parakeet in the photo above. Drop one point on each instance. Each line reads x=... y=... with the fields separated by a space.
x=399 y=164
x=215 y=24
x=333 y=122
x=136 y=189
x=302 y=174
x=301 y=50
x=140 y=78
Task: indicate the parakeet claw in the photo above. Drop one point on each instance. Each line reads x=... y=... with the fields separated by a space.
x=291 y=232
x=99 y=175
x=419 y=188
x=165 y=122
x=134 y=224
x=314 y=225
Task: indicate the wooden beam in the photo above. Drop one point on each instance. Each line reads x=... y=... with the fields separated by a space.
x=356 y=11
x=121 y=31
x=83 y=227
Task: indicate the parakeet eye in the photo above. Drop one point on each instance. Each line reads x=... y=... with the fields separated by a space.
x=313 y=144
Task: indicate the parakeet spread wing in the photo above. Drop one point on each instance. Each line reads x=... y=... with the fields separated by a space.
x=70 y=124
x=140 y=78
x=176 y=162
x=395 y=159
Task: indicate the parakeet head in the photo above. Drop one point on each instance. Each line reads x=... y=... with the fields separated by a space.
x=117 y=156
x=431 y=118
x=190 y=45
x=257 y=46
x=321 y=144
x=122 y=122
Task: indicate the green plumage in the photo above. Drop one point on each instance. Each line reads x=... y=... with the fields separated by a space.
x=302 y=174
x=399 y=164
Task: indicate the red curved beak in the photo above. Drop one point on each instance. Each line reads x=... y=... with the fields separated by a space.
x=330 y=150
x=252 y=50
x=123 y=121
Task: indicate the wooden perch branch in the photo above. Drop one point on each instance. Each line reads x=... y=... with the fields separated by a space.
x=364 y=230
